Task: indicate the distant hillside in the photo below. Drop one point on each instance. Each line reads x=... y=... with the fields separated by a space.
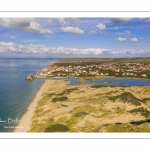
x=100 y=60
x=103 y=60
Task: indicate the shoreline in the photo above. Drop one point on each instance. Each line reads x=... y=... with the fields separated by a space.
x=87 y=109
x=100 y=110
x=26 y=119
x=94 y=77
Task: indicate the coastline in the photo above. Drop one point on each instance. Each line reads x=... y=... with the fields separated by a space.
x=94 y=77
x=57 y=107
x=26 y=119
x=91 y=109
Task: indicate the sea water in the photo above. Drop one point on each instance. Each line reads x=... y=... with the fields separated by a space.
x=16 y=93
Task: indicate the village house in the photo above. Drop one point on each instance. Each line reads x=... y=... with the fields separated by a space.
x=126 y=69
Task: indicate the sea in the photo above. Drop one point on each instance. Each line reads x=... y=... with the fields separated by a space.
x=16 y=93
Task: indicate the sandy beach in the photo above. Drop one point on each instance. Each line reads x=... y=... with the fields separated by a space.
x=26 y=119
x=58 y=107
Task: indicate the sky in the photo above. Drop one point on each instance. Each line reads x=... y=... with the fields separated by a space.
x=74 y=37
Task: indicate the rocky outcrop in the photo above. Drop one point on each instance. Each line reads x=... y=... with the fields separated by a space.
x=29 y=77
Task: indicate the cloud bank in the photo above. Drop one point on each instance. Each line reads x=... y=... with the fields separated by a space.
x=25 y=24
x=13 y=48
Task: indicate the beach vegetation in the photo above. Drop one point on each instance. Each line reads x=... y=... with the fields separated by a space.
x=119 y=110
x=43 y=100
x=62 y=119
x=80 y=80
x=143 y=111
x=67 y=91
x=40 y=126
x=126 y=97
x=96 y=86
x=145 y=127
x=80 y=114
x=45 y=97
x=64 y=105
x=106 y=114
x=108 y=82
x=71 y=122
x=36 y=127
x=38 y=112
x=62 y=98
x=86 y=127
x=71 y=89
x=88 y=109
x=146 y=101
x=50 y=76
x=57 y=128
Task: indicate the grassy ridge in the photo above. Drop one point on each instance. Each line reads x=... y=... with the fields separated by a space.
x=103 y=60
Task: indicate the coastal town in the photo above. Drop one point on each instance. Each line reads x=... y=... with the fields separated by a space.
x=76 y=68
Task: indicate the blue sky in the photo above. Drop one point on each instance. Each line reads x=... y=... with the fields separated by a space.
x=74 y=37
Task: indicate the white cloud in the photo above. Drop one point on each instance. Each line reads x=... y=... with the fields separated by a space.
x=61 y=21
x=12 y=37
x=120 y=20
x=116 y=28
x=101 y=26
x=11 y=48
x=72 y=30
x=134 y=39
x=127 y=32
x=122 y=39
x=124 y=33
x=25 y=24
x=92 y=32
x=129 y=53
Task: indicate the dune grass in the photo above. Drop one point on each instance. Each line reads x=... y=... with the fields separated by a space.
x=126 y=97
x=92 y=109
x=62 y=98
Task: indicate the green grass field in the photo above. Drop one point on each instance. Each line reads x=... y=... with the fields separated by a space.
x=103 y=60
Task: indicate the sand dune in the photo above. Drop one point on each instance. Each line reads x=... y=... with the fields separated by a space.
x=58 y=107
